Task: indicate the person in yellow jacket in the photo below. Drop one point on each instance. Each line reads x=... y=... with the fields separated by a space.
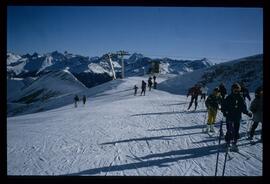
x=212 y=104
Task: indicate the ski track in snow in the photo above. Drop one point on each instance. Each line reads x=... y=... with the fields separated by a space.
x=117 y=133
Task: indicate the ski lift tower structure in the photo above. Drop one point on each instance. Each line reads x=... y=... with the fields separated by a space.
x=111 y=64
x=122 y=54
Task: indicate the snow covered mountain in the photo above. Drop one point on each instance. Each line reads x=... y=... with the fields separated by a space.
x=32 y=97
x=248 y=70
x=92 y=71
x=12 y=58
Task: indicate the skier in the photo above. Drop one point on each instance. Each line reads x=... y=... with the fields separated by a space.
x=244 y=92
x=232 y=107
x=150 y=83
x=204 y=90
x=143 y=87
x=212 y=104
x=135 y=90
x=84 y=99
x=222 y=90
x=256 y=108
x=155 y=85
x=154 y=78
x=194 y=92
x=76 y=99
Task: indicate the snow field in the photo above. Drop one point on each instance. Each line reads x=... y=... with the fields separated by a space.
x=117 y=133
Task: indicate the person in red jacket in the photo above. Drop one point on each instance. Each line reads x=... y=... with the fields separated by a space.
x=194 y=92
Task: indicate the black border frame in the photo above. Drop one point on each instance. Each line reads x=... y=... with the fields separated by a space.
x=123 y=179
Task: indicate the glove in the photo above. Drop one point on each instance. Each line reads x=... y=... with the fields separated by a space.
x=225 y=114
x=249 y=114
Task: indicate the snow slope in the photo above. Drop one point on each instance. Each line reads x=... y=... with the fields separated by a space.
x=248 y=70
x=43 y=93
x=117 y=133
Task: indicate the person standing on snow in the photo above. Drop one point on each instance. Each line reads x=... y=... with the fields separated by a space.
x=256 y=108
x=150 y=83
x=212 y=104
x=204 y=90
x=232 y=108
x=143 y=88
x=76 y=99
x=194 y=92
x=84 y=99
x=155 y=82
x=223 y=91
x=155 y=85
x=154 y=78
x=135 y=90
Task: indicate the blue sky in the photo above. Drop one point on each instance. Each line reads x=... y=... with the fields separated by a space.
x=177 y=32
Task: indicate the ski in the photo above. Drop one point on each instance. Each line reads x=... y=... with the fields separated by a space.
x=252 y=142
x=255 y=142
x=242 y=154
x=209 y=134
x=212 y=134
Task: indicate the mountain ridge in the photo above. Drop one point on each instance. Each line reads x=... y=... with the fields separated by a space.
x=85 y=68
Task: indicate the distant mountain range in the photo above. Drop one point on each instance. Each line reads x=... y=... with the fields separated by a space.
x=95 y=70
x=248 y=70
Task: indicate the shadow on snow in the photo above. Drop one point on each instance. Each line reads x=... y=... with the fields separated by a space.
x=158 y=159
x=180 y=128
x=167 y=113
x=168 y=137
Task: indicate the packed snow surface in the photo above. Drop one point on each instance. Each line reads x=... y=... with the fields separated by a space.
x=117 y=133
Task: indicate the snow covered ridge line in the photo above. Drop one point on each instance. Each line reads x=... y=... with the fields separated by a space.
x=36 y=64
x=33 y=96
x=248 y=70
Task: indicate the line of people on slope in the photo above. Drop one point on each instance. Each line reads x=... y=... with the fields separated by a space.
x=77 y=99
x=143 y=86
x=232 y=107
x=201 y=89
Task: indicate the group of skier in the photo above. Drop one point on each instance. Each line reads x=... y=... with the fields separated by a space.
x=77 y=99
x=232 y=106
x=143 y=86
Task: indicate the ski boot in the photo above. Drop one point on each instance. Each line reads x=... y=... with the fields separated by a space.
x=212 y=129
x=226 y=146
x=234 y=148
x=207 y=128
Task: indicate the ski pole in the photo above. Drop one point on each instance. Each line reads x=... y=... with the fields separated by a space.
x=204 y=123
x=221 y=120
x=249 y=124
x=230 y=136
x=219 y=140
x=184 y=106
x=224 y=166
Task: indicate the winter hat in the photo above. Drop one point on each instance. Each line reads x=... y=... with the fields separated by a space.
x=236 y=86
x=258 y=90
x=216 y=89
